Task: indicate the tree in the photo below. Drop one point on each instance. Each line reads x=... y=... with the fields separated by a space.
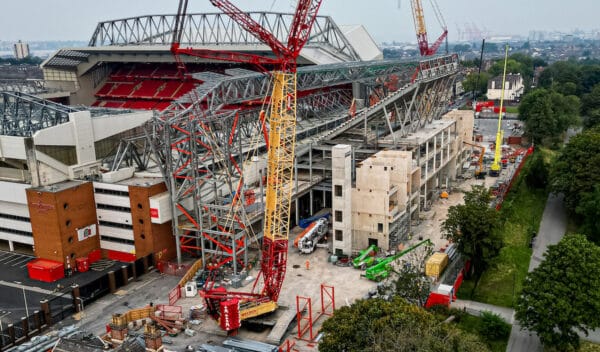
x=379 y=325
x=576 y=170
x=562 y=295
x=589 y=211
x=548 y=114
x=472 y=227
x=471 y=82
x=590 y=107
x=537 y=176
x=560 y=73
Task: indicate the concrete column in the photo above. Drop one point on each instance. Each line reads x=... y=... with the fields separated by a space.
x=342 y=179
x=145 y=262
x=11 y=246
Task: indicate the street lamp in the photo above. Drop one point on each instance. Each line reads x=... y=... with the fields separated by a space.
x=24 y=298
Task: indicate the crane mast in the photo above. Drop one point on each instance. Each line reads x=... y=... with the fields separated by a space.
x=496 y=167
x=280 y=146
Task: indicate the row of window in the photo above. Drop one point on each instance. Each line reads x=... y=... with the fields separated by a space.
x=117 y=240
x=16 y=232
x=14 y=217
x=113 y=207
x=111 y=192
x=114 y=224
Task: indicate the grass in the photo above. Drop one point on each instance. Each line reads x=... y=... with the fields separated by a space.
x=470 y=323
x=522 y=212
x=512 y=109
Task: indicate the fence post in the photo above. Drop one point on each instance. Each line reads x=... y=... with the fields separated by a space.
x=37 y=321
x=112 y=283
x=11 y=333
x=25 y=327
x=75 y=293
x=125 y=275
x=45 y=306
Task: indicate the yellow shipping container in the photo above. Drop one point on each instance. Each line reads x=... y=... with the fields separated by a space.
x=436 y=264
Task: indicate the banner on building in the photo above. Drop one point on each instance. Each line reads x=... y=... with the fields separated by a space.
x=85 y=232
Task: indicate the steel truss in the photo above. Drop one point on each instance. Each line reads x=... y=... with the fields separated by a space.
x=203 y=143
x=218 y=28
x=22 y=114
x=409 y=108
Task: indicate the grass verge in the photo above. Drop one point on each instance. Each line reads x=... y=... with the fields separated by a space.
x=522 y=212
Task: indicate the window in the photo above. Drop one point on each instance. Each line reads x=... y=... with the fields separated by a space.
x=379 y=227
x=337 y=190
x=339 y=235
x=338 y=215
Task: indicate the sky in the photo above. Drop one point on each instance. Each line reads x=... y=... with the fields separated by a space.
x=386 y=20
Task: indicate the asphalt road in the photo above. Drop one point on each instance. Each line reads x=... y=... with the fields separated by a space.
x=552 y=228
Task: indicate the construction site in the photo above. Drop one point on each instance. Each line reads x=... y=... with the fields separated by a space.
x=223 y=181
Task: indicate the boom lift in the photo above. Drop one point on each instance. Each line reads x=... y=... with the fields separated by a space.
x=235 y=306
x=496 y=165
x=382 y=269
x=366 y=257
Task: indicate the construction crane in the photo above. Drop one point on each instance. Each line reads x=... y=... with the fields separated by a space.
x=421 y=29
x=479 y=173
x=496 y=165
x=235 y=306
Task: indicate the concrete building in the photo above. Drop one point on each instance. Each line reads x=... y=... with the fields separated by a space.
x=513 y=87
x=21 y=50
x=392 y=186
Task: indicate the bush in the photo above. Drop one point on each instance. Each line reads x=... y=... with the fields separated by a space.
x=493 y=327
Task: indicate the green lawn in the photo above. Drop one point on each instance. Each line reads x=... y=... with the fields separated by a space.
x=502 y=282
x=512 y=109
x=472 y=323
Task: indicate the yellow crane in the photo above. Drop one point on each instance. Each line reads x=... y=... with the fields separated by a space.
x=496 y=165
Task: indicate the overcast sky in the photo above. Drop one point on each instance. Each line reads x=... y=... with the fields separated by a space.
x=386 y=20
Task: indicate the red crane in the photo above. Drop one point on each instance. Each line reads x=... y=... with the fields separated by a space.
x=421 y=29
x=281 y=146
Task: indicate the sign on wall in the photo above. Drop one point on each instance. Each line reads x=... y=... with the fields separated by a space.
x=86 y=232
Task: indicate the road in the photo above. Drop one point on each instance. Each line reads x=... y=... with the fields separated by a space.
x=552 y=228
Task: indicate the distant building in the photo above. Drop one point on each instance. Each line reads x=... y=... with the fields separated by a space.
x=21 y=50
x=513 y=88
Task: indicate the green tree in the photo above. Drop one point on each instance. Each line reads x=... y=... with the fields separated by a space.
x=560 y=73
x=590 y=107
x=576 y=170
x=512 y=66
x=472 y=227
x=589 y=211
x=471 y=83
x=548 y=114
x=537 y=176
x=562 y=295
x=379 y=325
x=493 y=327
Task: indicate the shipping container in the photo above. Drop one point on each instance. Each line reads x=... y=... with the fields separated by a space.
x=436 y=264
x=45 y=270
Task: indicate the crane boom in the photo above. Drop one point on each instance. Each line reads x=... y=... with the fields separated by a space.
x=496 y=167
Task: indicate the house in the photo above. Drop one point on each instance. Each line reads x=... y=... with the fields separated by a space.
x=513 y=87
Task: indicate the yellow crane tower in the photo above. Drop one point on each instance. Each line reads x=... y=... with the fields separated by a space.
x=496 y=165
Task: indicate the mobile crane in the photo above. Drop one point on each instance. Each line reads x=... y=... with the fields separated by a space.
x=421 y=29
x=232 y=307
x=496 y=165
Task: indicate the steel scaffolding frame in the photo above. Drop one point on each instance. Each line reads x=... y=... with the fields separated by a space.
x=203 y=140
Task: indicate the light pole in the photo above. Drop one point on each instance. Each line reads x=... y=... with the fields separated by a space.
x=24 y=298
